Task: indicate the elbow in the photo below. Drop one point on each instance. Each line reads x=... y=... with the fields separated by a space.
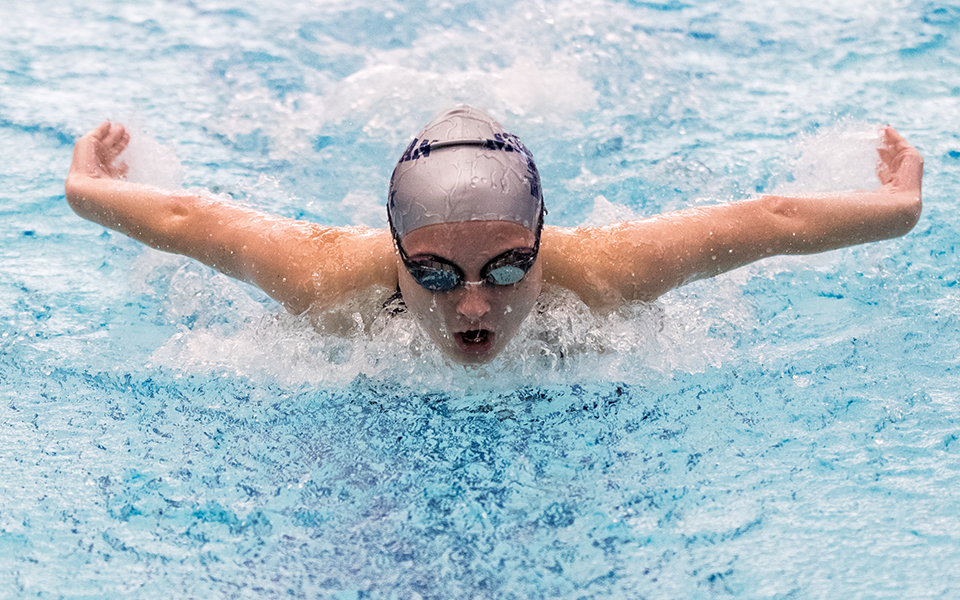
x=909 y=214
x=76 y=195
x=782 y=207
x=173 y=221
x=903 y=215
x=786 y=224
x=72 y=190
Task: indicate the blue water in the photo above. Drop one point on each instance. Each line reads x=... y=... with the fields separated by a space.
x=788 y=430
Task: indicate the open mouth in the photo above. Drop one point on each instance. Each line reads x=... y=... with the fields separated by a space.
x=475 y=340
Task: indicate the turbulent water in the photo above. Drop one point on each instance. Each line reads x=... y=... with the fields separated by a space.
x=788 y=430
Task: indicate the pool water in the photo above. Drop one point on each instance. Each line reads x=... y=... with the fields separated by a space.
x=788 y=430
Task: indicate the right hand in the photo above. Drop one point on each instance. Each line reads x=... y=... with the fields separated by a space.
x=95 y=154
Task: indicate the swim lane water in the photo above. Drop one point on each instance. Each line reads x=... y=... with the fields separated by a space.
x=786 y=430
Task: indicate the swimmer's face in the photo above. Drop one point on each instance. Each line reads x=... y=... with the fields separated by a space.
x=471 y=323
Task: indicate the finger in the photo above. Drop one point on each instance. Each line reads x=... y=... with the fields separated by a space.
x=901 y=166
x=886 y=158
x=894 y=145
x=121 y=169
x=884 y=171
x=909 y=175
x=892 y=138
x=891 y=141
x=86 y=149
x=895 y=148
x=886 y=155
x=114 y=135
x=100 y=131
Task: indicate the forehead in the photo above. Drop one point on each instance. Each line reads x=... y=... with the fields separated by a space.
x=468 y=238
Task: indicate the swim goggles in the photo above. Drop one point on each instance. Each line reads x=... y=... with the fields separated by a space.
x=440 y=275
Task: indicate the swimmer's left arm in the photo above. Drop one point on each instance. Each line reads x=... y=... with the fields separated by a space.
x=641 y=260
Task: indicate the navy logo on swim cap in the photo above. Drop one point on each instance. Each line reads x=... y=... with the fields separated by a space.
x=413 y=152
x=505 y=142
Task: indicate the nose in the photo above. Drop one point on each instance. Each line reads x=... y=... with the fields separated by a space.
x=473 y=304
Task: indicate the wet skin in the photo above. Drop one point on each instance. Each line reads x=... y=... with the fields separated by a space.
x=472 y=323
x=604 y=266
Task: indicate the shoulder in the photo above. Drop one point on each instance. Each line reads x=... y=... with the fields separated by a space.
x=605 y=266
x=307 y=266
x=347 y=260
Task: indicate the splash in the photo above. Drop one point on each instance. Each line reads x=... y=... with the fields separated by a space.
x=225 y=327
x=149 y=161
x=841 y=158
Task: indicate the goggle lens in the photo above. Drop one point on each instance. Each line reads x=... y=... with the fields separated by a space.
x=435 y=276
x=505 y=275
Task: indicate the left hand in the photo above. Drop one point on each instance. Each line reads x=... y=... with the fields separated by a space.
x=901 y=166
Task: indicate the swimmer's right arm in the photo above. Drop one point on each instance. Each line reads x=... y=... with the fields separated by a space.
x=295 y=262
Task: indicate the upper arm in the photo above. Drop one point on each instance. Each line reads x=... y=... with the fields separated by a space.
x=641 y=260
x=297 y=263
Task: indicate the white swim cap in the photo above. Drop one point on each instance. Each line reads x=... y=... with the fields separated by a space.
x=463 y=166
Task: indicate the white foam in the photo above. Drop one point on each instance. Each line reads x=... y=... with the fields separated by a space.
x=382 y=94
x=366 y=209
x=149 y=161
x=605 y=212
x=393 y=95
x=222 y=328
x=841 y=158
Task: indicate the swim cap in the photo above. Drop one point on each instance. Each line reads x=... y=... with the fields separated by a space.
x=463 y=166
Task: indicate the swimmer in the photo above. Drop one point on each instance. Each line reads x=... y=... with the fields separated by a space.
x=467 y=249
